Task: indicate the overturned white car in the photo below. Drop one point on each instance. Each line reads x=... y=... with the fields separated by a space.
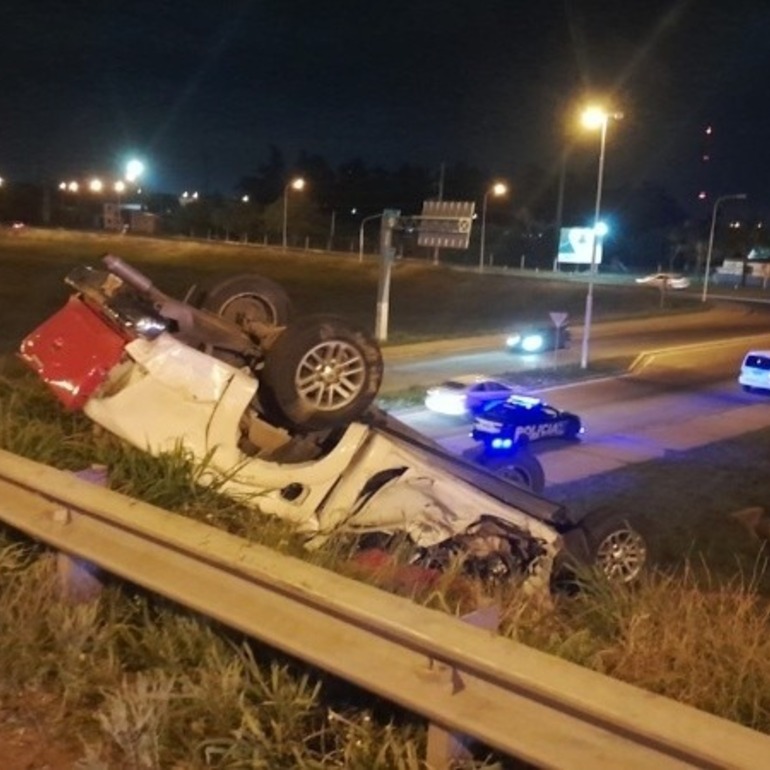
x=281 y=412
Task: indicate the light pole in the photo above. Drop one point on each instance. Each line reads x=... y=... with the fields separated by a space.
x=119 y=187
x=594 y=117
x=361 y=235
x=295 y=184
x=497 y=190
x=736 y=197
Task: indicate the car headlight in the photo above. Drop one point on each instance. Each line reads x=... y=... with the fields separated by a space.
x=533 y=342
x=513 y=340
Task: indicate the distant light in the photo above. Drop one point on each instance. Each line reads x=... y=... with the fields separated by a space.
x=134 y=169
x=601 y=229
x=120 y=186
x=244 y=199
x=96 y=185
x=702 y=195
x=62 y=185
x=298 y=183
x=706 y=158
x=709 y=130
x=499 y=188
x=73 y=186
x=593 y=117
x=354 y=211
x=2 y=181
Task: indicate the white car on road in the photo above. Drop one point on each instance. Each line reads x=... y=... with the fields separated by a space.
x=465 y=395
x=755 y=371
x=665 y=281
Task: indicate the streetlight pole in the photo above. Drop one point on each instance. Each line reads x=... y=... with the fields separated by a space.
x=295 y=184
x=361 y=235
x=497 y=189
x=594 y=117
x=736 y=197
x=483 y=229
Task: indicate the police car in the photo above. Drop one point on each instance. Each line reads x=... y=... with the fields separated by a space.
x=521 y=419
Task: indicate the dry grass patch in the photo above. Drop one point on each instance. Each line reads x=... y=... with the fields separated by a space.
x=699 y=642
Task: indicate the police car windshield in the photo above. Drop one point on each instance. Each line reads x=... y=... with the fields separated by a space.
x=513 y=403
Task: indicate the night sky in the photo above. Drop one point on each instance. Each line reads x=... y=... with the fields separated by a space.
x=201 y=90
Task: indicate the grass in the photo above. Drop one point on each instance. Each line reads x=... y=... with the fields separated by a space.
x=426 y=302
x=682 y=502
x=137 y=682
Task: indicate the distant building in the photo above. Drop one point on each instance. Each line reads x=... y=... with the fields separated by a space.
x=144 y=222
x=129 y=217
x=754 y=270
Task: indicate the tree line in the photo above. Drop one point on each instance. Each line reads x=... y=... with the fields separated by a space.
x=648 y=227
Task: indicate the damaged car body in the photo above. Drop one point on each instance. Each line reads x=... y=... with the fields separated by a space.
x=280 y=412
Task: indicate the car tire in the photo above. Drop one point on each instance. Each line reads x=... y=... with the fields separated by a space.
x=320 y=373
x=607 y=542
x=521 y=468
x=573 y=430
x=248 y=297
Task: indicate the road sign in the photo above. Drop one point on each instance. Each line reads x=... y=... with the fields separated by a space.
x=446 y=224
x=559 y=319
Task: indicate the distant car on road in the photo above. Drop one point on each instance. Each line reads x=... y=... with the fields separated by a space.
x=665 y=281
x=535 y=339
x=466 y=395
x=755 y=371
x=519 y=420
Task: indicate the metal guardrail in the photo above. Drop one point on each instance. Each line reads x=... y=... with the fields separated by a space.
x=724 y=356
x=524 y=703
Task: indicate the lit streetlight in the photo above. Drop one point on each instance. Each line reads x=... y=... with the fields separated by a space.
x=134 y=169
x=736 y=197
x=497 y=190
x=96 y=185
x=593 y=118
x=295 y=184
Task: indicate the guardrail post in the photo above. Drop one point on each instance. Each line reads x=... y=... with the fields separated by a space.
x=444 y=747
x=79 y=579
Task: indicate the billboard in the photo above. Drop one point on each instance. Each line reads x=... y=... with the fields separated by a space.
x=575 y=244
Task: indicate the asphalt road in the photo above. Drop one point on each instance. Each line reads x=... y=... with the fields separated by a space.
x=428 y=363
x=680 y=395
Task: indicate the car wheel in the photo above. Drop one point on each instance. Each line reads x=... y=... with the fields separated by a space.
x=521 y=468
x=319 y=373
x=611 y=545
x=573 y=430
x=247 y=298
